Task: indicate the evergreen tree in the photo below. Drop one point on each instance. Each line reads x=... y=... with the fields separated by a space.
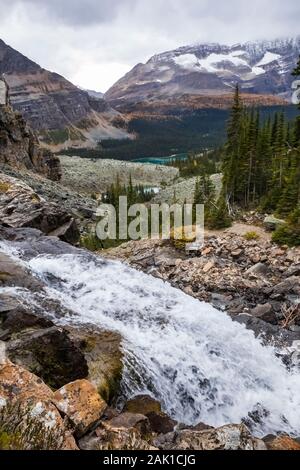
x=231 y=181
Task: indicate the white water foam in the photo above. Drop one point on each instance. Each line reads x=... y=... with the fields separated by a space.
x=195 y=359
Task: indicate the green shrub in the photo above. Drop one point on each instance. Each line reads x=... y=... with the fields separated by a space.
x=251 y=236
x=289 y=234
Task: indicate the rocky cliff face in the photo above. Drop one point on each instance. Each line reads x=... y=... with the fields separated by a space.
x=63 y=114
x=203 y=75
x=19 y=146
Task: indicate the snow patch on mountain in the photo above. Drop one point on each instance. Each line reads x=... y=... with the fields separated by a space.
x=214 y=62
x=268 y=58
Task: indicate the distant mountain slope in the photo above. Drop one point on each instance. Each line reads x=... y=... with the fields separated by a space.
x=204 y=75
x=63 y=114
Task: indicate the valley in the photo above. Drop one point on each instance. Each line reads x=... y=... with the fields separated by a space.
x=149 y=342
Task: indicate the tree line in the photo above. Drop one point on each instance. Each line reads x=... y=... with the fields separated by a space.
x=261 y=170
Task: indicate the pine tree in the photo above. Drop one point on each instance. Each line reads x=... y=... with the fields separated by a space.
x=232 y=150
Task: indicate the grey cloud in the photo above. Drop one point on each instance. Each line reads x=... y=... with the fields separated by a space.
x=98 y=40
x=73 y=12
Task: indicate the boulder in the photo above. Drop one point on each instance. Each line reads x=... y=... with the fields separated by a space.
x=81 y=402
x=257 y=271
x=13 y=274
x=142 y=404
x=161 y=423
x=291 y=285
x=27 y=404
x=265 y=312
x=293 y=270
x=14 y=317
x=51 y=354
x=271 y=223
x=231 y=437
x=67 y=232
x=107 y=438
x=131 y=420
x=103 y=354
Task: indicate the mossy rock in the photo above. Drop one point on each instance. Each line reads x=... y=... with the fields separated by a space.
x=103 y=354
x=143 y=404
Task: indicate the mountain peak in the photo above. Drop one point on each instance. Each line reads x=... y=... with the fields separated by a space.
x=211 y=70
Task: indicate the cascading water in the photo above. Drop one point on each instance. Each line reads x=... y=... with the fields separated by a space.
x=195 y=359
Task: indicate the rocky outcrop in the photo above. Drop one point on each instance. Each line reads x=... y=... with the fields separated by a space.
x=103 y=354
x=281 y=442
x=29 y=419
x=108 y=438
x=232 y=437
x=20 y=207
x=19 y=146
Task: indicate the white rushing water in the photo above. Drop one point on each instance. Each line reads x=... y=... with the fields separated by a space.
x=195 y=359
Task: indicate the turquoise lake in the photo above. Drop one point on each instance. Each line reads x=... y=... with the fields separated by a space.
x=162 y=160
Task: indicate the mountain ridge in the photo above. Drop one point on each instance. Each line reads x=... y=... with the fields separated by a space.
x=60 y=112
x=260 y=67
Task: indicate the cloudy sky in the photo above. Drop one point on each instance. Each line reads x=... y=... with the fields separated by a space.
x=95 y=42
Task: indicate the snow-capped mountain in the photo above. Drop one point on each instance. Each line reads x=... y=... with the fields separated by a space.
x=211 y=70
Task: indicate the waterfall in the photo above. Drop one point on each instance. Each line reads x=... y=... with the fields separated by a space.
x=199 y=363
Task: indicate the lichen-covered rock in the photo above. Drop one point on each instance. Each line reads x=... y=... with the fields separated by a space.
x=273 y=223
x=31 y=399
x=281 y=443
x=231 y=437
x=107 y=438
x=131 y=420
x=81 y=402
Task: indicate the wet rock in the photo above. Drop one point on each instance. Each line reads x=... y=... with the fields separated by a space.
x=49 y=353
x=103 y=355
x=269 y=333
x=161 y=423
x=281 y=443
x=81 y=402
x=231 y=437
x=68 y=232
x=13 y=274
x=19 y=319
x=143 y=404
x=20 y=387
x=131 y=420
x=107 y=438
